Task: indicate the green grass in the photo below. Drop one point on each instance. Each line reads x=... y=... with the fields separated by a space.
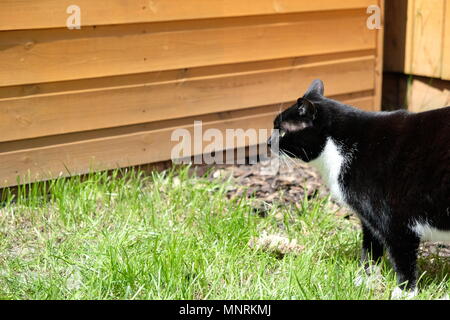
x=171 y=236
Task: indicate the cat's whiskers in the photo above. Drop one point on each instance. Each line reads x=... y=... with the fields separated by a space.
x=287 y=159
x=281 y=157
x=304 y=152
x=287 y=152
x=290 y=161
x=292 y=157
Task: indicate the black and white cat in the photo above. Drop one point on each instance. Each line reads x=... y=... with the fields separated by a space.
x=391 y=168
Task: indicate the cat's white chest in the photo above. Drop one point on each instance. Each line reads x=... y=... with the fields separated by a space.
x=330 y=164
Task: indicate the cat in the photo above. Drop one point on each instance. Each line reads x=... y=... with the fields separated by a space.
x=391 y=168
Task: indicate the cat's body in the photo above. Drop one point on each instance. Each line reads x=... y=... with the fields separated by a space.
x=391 y=168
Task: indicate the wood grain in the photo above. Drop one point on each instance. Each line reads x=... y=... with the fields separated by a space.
x=427 y=95
x=417 y=37
x=111 y=94
x=446 y=45
x=278 y=81
x=395 y=31
x=35 y=89
x=378 y=73
x=50 y=157
x=49 y=55
x=31 y=14
x=426 y=45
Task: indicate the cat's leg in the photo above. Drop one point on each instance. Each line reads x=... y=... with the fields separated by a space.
x=403 y=253
x=372 y=252
x=372 y=248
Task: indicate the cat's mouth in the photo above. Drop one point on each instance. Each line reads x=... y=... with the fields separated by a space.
x=273 y=142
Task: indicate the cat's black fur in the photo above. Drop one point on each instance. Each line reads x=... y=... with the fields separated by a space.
x=396 y=170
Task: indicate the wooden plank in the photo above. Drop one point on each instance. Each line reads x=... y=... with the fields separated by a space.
x=417 y=37
x=428 y=94
x=172 y=75
x=446 y=46
x=49 y=55
x=409 y=41
x=415 y=93
x=378 y=74
x=395 y=31
x=425 y=38
x=278 y=81
x=112 y=151
x=31 y=14
x=395 y=88
x=50 y=157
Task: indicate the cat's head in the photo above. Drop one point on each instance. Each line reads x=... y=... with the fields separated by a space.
x=302 y=127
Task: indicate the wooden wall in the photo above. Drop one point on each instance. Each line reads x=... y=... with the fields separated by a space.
x=418 y=38
x=414 y=93
x=110 y=95
x=417 y=55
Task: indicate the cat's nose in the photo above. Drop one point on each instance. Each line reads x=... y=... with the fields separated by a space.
x=272 y=142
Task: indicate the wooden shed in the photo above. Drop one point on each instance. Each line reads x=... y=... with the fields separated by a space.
x=109 y=94
x=417 y=54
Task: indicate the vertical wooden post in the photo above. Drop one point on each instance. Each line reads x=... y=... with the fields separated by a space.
x=379 y=61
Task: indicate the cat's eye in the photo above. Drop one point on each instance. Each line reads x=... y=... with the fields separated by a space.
x=282 y=133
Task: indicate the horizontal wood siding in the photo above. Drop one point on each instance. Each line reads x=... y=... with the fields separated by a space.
x=121 y=147
x=50 y=114
x=48 y=55
x=110 y=95
x=32 y=14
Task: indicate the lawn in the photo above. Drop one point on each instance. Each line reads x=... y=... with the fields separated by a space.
x=175 y=236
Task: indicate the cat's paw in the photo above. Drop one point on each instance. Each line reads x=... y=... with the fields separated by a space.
x=400 y=294
x=370 y=277
x=359 y=280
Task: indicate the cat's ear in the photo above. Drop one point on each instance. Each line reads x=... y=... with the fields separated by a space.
x=306 y=109
x=315 y=88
